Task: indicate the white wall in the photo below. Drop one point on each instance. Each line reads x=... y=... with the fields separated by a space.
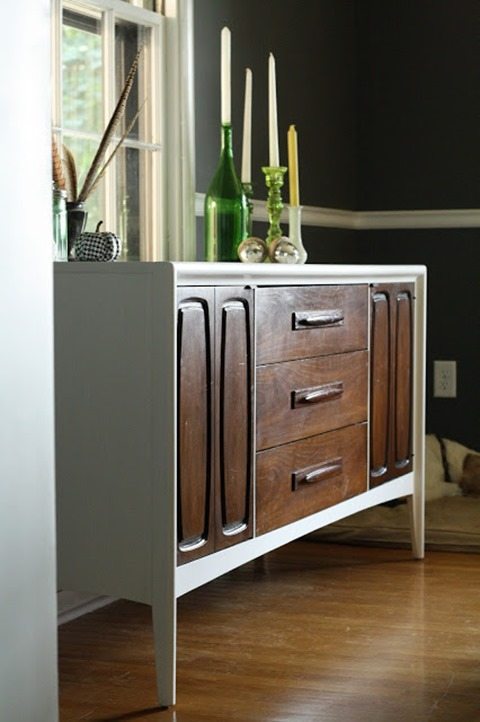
x=28 y=686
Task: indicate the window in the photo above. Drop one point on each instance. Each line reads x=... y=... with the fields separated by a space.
x=94 y=44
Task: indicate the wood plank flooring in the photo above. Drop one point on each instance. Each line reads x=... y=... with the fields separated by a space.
x=310 y=633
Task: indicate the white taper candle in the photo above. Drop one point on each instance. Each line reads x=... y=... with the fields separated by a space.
x=246 y=175
x=272 y=114
x=225 y=76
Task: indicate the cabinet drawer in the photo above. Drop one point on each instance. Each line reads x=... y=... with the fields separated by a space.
x=296 y=399
x=317 y=320
x=295 y=480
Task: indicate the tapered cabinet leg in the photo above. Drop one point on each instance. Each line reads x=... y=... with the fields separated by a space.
x=417 y=501
x=164 y=631
x=417 y=526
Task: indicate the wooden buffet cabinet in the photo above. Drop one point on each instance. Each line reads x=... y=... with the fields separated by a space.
x=209 y=413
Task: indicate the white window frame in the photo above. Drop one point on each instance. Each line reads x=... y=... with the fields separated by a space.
x=169 y=232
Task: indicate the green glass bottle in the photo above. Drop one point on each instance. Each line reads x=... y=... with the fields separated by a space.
x=226 y=211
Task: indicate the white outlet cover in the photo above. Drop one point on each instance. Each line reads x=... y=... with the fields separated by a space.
x=445 y=379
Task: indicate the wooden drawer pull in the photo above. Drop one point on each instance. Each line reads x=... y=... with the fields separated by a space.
x=233 y=528
x=318 y=473
x=193 y=543
x=317 y=395
x=316 y=319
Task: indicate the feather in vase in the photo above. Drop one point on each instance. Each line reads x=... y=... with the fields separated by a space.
x=57 y=170
x=104 y=167
x=98 y=160
x=71 y=174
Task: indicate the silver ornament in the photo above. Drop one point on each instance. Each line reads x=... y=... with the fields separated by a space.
x=252 y=250
x=283 y=251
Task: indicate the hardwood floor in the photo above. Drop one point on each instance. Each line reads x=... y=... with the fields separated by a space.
x=310 y=633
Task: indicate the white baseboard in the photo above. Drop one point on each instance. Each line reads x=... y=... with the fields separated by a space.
x=369 y=220
x=71 y=605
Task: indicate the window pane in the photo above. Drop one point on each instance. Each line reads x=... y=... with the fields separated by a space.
x=82 y=72
x=132 y=175
x=154 y=5
x=83 y=151
x=128 y=39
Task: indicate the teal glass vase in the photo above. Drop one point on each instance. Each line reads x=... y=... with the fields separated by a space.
x=60 y=245
x=226 y=210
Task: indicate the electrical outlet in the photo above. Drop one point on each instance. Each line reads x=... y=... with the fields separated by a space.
x=445 y=379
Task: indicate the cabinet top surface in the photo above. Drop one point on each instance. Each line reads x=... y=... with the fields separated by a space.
x=197 y=273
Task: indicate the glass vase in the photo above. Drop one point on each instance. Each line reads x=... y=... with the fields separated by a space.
x=76 y=221
x=226 y=211
x=295 y=231
x=60 y=243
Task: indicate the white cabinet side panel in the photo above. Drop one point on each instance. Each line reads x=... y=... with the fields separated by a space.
x=417 y=502
x=164 y=508
x=103 y=326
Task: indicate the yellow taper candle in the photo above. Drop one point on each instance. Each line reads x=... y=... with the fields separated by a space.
x=293 y=166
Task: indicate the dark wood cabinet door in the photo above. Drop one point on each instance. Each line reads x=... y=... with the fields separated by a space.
x=402 y=382
x=380 y=363
x=195 y=346
x=233 y=418
x=391 y=381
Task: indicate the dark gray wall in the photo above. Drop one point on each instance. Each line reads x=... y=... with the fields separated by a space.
x=314 y=47
x=386 y=99
x=453 y=315
x=419 y=148
x=418 y=104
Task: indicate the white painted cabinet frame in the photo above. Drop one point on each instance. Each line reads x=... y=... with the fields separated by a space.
x=115 y=339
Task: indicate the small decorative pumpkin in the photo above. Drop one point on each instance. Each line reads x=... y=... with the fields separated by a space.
x=97 y=246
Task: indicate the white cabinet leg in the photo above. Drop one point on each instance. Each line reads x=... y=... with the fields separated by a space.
x=416 y=502
x=416 y=507
x=164 y=631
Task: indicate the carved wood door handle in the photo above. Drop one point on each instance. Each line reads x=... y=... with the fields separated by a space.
x=318 y=319
x=317 y=395
x=313 y=475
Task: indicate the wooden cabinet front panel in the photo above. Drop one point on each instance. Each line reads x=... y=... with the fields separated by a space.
x=311 y=410
x=294 y=322
x=302 y=398
x=234 y=390
x=195 y=407
x=380 y=362
x=403 y=381
x=298 y=479
x=391 y=381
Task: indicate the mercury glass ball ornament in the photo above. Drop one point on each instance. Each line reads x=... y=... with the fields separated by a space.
x=252 y=250
x=283 y=251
